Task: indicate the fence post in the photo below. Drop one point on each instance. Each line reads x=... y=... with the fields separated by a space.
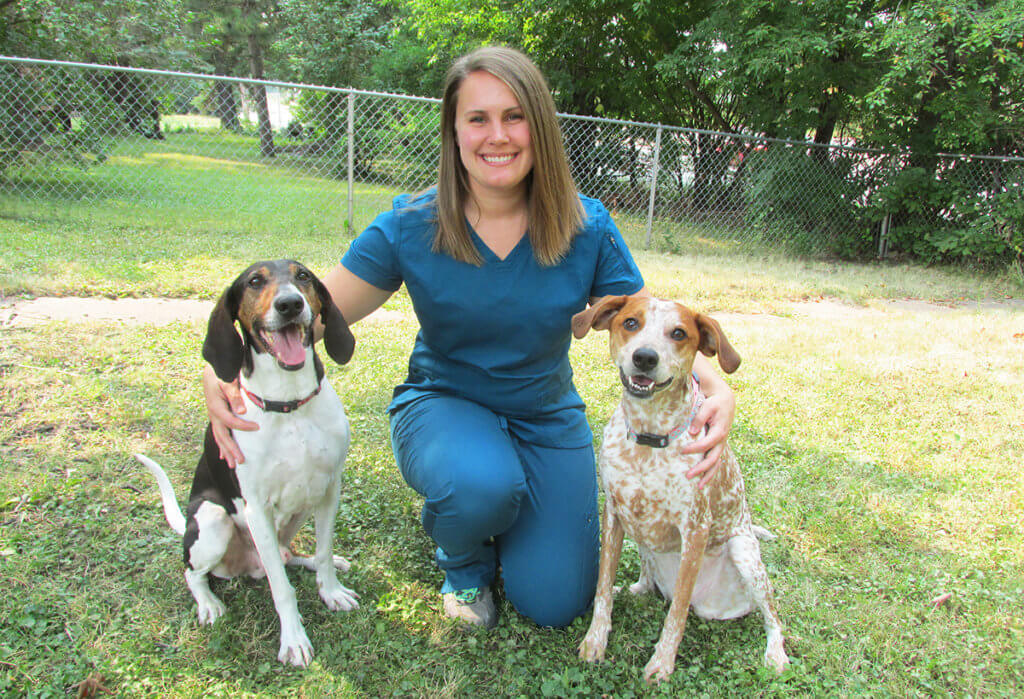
x=351 y=158
x=654 y=188
x=883 y=237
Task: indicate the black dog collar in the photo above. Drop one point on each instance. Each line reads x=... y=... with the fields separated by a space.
x=276 y=406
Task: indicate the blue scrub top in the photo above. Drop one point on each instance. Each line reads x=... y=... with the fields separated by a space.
x=497 y=334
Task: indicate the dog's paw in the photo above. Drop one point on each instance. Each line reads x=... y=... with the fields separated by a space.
x=641 y=587
x=659 y=668
x=295 y=648
x=340 y=563
x=209 y=610
x=775 y=657
x=593 y=645
x=339 y=598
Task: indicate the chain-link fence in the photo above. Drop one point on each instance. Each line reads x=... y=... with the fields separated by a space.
x=254 y=153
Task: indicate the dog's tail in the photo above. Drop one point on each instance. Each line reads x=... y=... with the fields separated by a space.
x=171 y=509
x=763 y=534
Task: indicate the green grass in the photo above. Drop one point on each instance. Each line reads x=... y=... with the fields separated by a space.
x=881 y=445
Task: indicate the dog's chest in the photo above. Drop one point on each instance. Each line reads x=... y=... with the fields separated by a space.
x=648 y=487
x=294 y=460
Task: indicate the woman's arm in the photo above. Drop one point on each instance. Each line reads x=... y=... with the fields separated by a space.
x=717 y=414
x=354 y=297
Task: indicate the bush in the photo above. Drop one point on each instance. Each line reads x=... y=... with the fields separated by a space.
x=965 y=211
x=807 y=203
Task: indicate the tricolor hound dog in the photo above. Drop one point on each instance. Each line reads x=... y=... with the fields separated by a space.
x=241 y=521
x=697 y=546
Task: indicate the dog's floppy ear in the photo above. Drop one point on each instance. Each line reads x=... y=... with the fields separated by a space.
x=713 y=341
x=598 y=316
x=338 y=339
x=222 y=347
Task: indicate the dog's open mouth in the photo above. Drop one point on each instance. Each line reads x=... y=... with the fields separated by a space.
x=287 y=344
x=640 y=385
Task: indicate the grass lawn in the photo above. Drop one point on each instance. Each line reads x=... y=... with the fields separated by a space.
x=882 y=445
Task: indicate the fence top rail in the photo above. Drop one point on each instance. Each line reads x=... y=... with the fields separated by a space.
x=218 y=78
x=434 y=100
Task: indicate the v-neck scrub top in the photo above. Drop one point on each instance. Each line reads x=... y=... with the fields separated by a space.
x=497 y=334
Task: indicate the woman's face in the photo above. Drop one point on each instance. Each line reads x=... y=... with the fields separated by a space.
x=492 y=135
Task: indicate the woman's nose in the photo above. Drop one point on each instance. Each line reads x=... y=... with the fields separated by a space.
x=499 y=133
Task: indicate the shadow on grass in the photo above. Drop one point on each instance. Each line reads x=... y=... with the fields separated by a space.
x=79 y=188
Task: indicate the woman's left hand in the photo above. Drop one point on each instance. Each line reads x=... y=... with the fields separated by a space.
x=717 y=412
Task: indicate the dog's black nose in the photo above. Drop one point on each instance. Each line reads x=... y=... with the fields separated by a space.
x=645 y=359
x=289 y=305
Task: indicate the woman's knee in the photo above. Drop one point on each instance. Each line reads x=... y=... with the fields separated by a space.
x=478 y=499
x=554 y=603
x=460 y=458
x=554 y=583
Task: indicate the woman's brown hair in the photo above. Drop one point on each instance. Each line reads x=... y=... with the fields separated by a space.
x=554 y=215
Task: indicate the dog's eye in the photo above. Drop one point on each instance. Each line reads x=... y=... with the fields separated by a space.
x=631 y=324
x=256 y=281
x=678 y=334
x=302 y=275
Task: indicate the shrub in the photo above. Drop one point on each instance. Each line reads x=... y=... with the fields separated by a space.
x=808 y=203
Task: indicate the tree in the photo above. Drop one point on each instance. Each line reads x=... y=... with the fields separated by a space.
x=953 y=78
x=332 y=42
x=120 y=32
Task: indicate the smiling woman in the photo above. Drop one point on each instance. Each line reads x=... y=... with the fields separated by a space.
x=503 y=166
x=487 y=426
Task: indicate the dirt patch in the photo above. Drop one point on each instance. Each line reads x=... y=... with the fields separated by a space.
x=26 y=312
x=916 y=305
x=16 y=312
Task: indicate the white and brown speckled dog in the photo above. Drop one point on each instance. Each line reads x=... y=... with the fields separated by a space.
x=698 y=547
x=241 y=521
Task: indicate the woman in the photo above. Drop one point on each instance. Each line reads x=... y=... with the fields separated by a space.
x=487 y=426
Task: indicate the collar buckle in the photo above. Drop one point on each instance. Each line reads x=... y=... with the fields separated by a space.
x=658 y=441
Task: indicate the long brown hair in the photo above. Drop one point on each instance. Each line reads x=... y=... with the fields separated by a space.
x=554 y=213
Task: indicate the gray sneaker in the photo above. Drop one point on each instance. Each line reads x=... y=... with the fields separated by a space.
x=473 y=606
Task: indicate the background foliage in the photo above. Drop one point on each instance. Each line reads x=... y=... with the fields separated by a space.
x=916 y=78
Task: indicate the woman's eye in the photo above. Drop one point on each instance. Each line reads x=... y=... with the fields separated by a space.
x=631 y=324
x=678 y=334
x=515 y=116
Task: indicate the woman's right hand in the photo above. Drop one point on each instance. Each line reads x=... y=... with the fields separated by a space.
x=224 y=404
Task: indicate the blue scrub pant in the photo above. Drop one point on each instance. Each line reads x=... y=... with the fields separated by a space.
x=493 y=500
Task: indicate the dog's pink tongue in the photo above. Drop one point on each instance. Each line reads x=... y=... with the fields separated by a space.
x=287 y=344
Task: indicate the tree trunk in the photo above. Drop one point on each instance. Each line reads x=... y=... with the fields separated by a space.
x=823 y=133
x=260 y=96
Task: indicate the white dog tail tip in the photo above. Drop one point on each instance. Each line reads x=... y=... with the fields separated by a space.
x=763 y=534
x=171 y=508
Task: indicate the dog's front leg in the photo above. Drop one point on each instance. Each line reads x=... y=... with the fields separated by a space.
x=336 y=596
x=594 y=643
x=295 y=646
x=694 y=535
